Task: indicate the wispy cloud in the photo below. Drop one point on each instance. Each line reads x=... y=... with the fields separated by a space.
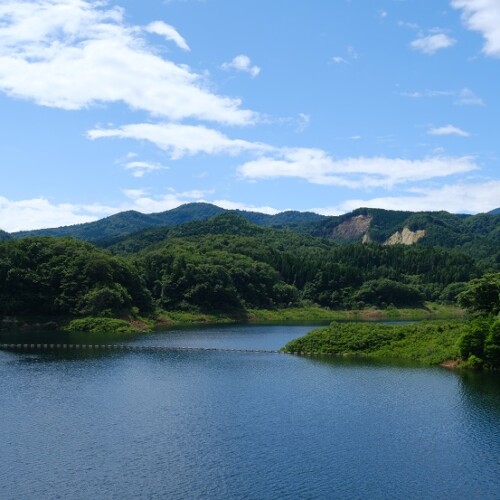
x=430 y=44
x=75 y=54
x=467 y=97
x=232 y=205
x=169 y=32
x=242 y=63
x=339 y=60
x=454 y=198
x=181 y=140
x=37 y=213
x=350 y=55
x=139 y=168
x=463 y=97
x=448 y=130
x=134 y=193
x=317 y=167
x=41 y=213
x=482 y=16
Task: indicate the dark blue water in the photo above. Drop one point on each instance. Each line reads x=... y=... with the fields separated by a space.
x=242 y=425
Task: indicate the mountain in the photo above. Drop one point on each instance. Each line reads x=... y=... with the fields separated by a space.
x=494 y=212
x=128 y=222
x=476 y=234
x=125 y=223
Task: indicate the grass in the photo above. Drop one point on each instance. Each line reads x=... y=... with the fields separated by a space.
x=100 y=325
x=431 y=342
x=309 y=313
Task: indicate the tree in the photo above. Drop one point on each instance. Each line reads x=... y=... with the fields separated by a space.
x=482 y=295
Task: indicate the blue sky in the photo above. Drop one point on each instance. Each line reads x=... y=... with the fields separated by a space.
x=264 y=105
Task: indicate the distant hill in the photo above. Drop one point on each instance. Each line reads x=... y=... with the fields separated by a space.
x=230 y=223
x=126 y=223
x=4 y=235
x=494 y=212
x=476 y=234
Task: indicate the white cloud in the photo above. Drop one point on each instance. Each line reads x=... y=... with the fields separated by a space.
x=339 y=60
x=169 y=32
x=454 y=198
x=72 y=54
x=139 y=168
x=181 y=140
x=232 y=205
x=38 y=213
x=482 y=16
x=468 y=98
x=133 y=194
x=317 y=167
x=463 y=97
x=304 y=120
x=242 y=63
x=430 y=44
x=448 y=130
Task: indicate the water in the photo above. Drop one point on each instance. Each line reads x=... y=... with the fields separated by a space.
x=194 y=424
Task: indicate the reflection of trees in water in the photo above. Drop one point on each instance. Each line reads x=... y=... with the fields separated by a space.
x=480 y=398
x=482 y=388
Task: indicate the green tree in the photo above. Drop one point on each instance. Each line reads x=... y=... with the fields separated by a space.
x=482 y=295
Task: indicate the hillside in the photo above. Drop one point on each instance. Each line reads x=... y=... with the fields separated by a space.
x=125 y=223
x=228 y=251
x=478 y=234
x=225 y=263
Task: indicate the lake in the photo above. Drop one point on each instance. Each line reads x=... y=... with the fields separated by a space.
x=210 y=424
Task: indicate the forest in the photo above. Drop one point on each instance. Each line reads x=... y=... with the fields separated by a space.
x=224 y=263
x=473 y=343
x=229 y=265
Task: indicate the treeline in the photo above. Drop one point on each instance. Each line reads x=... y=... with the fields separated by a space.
x=474 y=343
x=54 y=277
x=262 y=267
x=224 y=263
x=480 y=343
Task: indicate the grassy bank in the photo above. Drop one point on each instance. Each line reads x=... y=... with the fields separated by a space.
x=432 y=342
x=292 y=314
x=171 y=318
x=310 y=313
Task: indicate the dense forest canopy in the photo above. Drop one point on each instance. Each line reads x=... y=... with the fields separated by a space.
x=60 y=276
x=478 y=235
x=223 y=263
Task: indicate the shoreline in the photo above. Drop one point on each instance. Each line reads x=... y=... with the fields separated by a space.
x=431 y=311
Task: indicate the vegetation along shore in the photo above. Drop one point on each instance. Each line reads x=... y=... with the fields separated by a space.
x=238 y=267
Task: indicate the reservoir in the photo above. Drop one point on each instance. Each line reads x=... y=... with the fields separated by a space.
x=241 y=425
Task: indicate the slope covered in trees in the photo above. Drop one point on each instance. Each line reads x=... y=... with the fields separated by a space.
x=313 y=269
x=474 y=343
x=54 y=277
x=476 y=234
x=126 y=223
x=220 y=264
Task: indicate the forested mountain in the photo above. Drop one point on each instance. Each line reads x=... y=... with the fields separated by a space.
x=224 y=263
x=130 y=222
x=263 y=267
x=4 y=235
x=478 y=234
x=495 y=212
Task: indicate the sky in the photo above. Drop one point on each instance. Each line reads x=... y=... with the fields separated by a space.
x=264 y=105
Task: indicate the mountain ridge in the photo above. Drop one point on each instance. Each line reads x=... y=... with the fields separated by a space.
x=480 y=232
